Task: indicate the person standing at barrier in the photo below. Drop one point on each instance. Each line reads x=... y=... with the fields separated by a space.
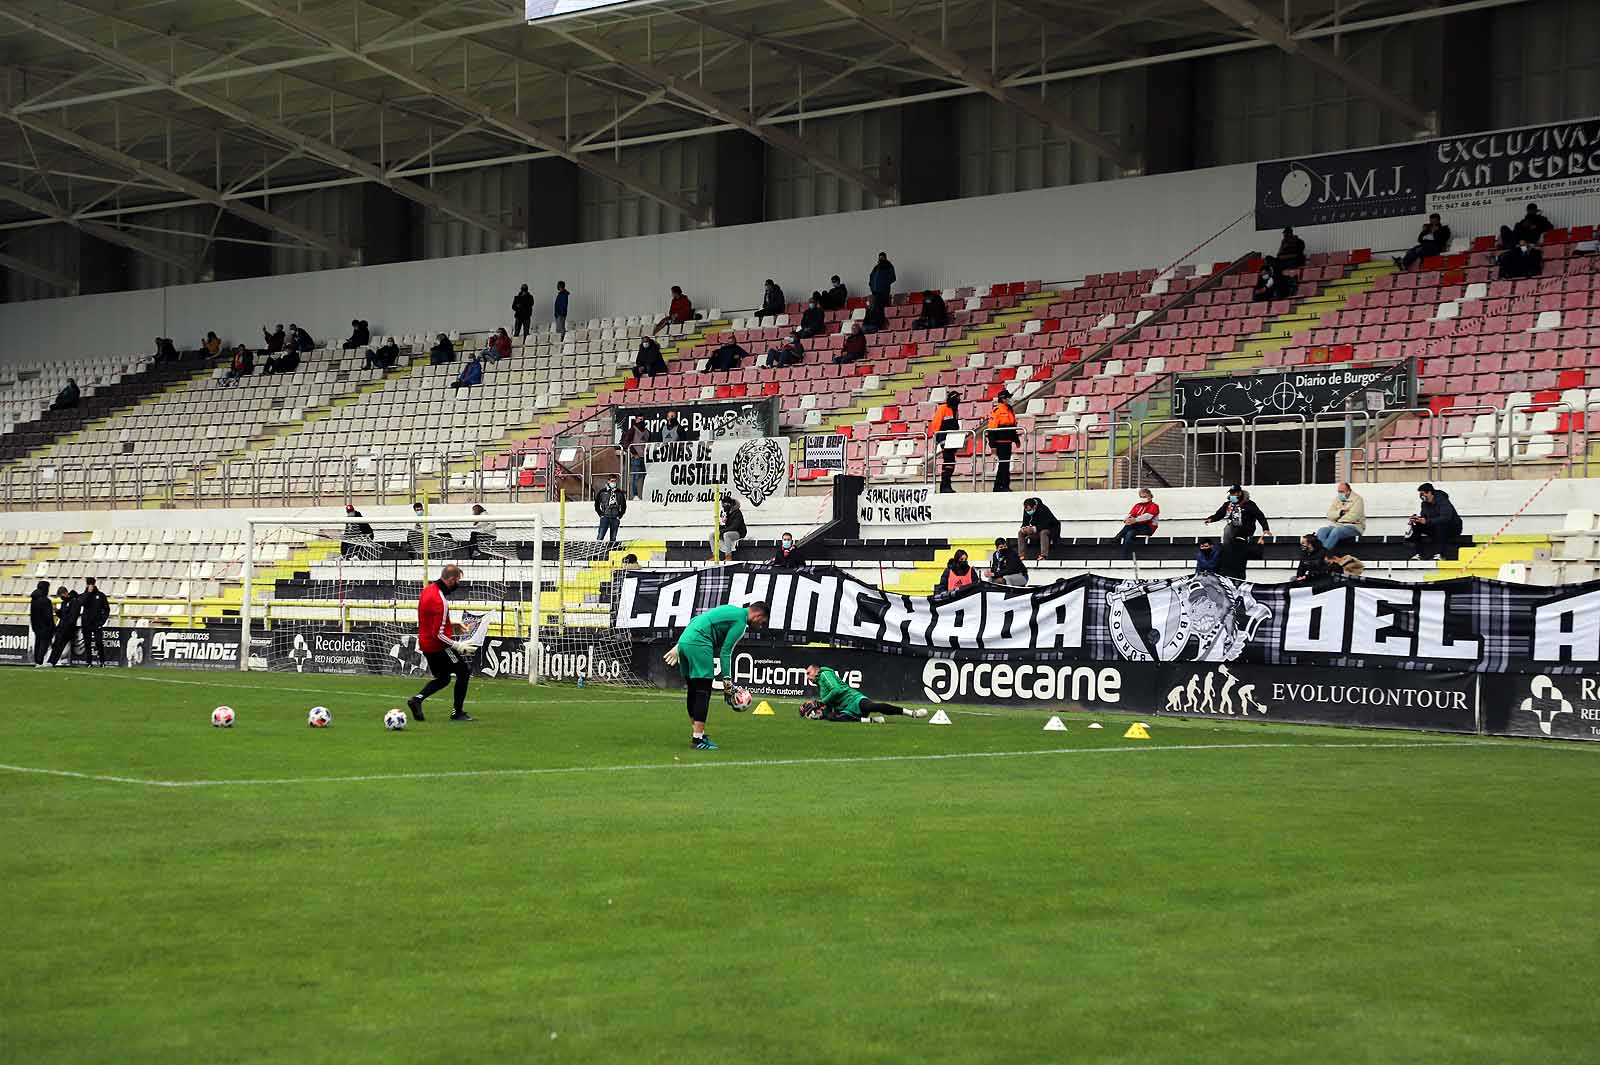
x=1002 y=434
x=610 y=504
x=636 y=443
x=942 y=431
x=560 y=311
x=96 y=612
x=522 y=311
x=42 y=619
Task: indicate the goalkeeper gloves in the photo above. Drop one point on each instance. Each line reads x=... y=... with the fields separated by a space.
x=671 y=657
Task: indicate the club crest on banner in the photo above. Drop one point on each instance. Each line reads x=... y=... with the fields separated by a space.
x=1545 y=702
x=1198 y=618
x=759 y=469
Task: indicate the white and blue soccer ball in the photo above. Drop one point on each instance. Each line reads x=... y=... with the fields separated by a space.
x=319 y=717
x=222 y=717
x=395 y=720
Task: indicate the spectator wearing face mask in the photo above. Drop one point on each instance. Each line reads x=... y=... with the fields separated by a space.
x=1206 y=556
x=1040 y=528
x=1140 y=524
x=958 y=573
x=610 y=504
x=787 y=555
x=1240 y=517
x=1347 y=518
x=1005 y=566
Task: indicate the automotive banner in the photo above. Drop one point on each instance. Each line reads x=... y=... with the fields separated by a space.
x=742 y=418
x=1296 y=393
x=755 y=470
x=1468 y=624
x=1496 y=168
x=1557 y=706
x=1371 y=698
x=779 y=671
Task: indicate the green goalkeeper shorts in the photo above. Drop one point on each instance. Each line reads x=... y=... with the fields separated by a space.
x=696 y=660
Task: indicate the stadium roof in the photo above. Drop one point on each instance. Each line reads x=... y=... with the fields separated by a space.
x=119 y=107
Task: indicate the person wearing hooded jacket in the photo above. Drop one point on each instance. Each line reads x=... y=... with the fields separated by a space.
x=1436 y=525
x=946 y=421
x=771 y=300
x=522 y=311
x=42 y=619
x=1240 y=516
x=66 y=626
x=1040 y=528
x=958 y=573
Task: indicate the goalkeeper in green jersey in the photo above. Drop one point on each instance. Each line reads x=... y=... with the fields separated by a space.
x=837 y=701
x=711 y=637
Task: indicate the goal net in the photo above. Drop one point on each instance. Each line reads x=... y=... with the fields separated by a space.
x=340 y=597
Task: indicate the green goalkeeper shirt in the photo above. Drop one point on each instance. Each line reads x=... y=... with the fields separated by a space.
x=836 y=695
x=712 y=634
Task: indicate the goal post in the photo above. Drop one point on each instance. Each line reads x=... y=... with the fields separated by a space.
x=339 y=595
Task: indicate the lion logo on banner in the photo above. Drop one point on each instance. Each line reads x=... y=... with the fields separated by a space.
x=1198 y=618
x=760 y=469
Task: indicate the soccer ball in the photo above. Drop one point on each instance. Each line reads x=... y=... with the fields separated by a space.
x=742 y=699
x=394 y=720
x=319 y=717
x=222 y=717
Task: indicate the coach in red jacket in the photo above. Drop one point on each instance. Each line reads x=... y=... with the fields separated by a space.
x=436 y=640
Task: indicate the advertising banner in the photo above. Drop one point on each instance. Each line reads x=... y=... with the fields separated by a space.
x=1492 y=169
x=823 y=452
x=756 y=470
x=1463 y=625
x=1301 y=393
x=901 y=504
x=1437 y=701
x=742 y=418
x=1565 y=707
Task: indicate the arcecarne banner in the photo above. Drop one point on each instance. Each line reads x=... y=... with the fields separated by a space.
x=1464 y=625
x=1498 y=167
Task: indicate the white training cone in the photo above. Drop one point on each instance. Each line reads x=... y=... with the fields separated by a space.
x=1055 y=724
x=1096 y=724
x=939 y=718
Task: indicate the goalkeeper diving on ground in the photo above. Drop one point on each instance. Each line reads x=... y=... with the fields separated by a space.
x=707 y=639
x=837 y=701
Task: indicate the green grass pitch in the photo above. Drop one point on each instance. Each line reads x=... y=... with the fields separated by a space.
x=566 y=881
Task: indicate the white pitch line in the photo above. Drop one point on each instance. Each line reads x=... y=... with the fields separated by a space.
x=495 y=699
x=759 y=763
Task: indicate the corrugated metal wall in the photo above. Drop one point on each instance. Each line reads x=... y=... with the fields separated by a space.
x=335 y=212
x=608 y=211
x=499 y=192
x=53 y=247
x=181 y=221
x=796 y=188
x=1003 y=150
x=1548 y=62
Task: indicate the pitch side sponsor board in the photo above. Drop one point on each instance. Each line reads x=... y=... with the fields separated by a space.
x=1369 y=698
x=1543 y=706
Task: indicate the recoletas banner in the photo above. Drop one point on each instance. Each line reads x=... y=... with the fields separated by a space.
x=1465 y=625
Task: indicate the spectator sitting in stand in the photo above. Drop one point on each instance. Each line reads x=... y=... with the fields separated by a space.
x=442 y=351
x=1524 y=260
x=1005 y=567
x=166 y=351
x=1313 y=559
x=1268 y=280
x=1436 y=526
x=243 y=364
x=300 y=340
x=68 y=397
x=211 y=346
x=471 y=373
x=1291 y=250
x=835 y=296
x=384 y=358
x=875 y=317
x=484 y=533
x=726 y=357
x=934 y=313
x=275 y=340
x=1432 y=241
x=787 y=555
x=731 y=529
x=1207 y=556
x=1040 y=528
x=812 y=320
x=499 y=346
x=1531 y=227
x=958 y=574
x=649 y=361
x=1140 y=524
x=771 y=301
x=360 y=335
x=1347 y=517
x=680 y=310
x=287 y=362
x=855 y=345
x=790 y=353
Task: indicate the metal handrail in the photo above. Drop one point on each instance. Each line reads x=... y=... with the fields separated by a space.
x=1217 y=428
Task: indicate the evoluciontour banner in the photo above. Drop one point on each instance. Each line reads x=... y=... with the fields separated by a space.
x=1466 y=625
x=1443 y=174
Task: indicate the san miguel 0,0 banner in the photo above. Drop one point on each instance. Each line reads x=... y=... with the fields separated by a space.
x=696 y=472
x=1465 y=625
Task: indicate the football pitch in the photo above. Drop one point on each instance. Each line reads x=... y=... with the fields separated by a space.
x=567 y=881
